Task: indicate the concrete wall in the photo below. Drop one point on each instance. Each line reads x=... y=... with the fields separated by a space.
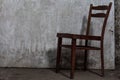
x=28 y=31
x=117 y=30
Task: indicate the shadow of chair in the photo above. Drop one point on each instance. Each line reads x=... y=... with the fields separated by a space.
x=74 y=37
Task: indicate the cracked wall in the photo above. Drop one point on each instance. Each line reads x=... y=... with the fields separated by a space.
x=28 y=31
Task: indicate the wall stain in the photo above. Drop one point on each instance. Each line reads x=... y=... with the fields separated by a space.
x=28 y=31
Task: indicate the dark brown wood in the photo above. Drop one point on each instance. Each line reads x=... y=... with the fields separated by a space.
x=102 y=60
x=82 y=47
x=99 y=15
x=86 y=60
x=73 y=56
x=86 y=37
x=105 y=21
x=89 y=20
x=76 y=36
x=86 y=40
x=58 y=55
x=65 y=35
x=102 y=7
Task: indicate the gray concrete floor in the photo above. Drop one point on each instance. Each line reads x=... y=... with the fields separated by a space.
x=49 y=74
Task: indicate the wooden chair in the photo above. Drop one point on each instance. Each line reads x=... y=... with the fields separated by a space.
x=86 y=37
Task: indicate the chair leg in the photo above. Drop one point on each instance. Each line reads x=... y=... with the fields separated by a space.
x=85 y=60
x=73 y=56
x=58 y=55
x=102 y=63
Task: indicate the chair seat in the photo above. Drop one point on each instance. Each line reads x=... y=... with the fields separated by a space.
x=82 y=47
x=77 y=36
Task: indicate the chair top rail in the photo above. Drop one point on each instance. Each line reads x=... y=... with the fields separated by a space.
x=101 y=7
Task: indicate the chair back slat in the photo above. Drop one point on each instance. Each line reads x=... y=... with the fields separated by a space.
x=99 y=15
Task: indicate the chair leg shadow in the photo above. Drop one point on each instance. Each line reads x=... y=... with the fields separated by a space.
x=96 y=72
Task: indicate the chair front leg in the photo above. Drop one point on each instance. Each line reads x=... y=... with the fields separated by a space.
x=58 y=61
x=73 y=56
x=86 y=60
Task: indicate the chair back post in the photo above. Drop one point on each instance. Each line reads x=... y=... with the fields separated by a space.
x=88 y=23
x=89 y=19
x=105 y=21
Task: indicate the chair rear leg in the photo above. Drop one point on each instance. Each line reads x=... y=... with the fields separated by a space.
x=73 y=56
x=58 y=55
x=86 y=60
x=102 y=63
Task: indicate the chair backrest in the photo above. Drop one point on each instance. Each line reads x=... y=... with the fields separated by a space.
x=99 y=8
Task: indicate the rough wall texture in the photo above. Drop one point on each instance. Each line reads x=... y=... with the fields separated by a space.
x=28 y=31
x=117 y=30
